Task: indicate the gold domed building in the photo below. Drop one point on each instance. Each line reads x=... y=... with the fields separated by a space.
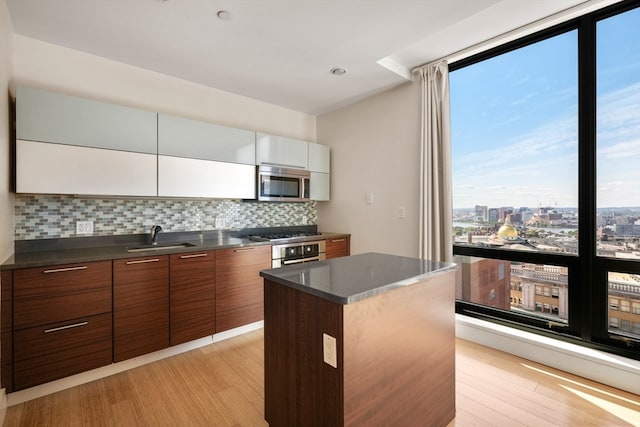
x=509 y=233
x=507 y=236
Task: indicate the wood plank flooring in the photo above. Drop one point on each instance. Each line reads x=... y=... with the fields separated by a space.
x=222 y=385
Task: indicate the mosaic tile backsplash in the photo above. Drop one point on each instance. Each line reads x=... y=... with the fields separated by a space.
x=48 y=217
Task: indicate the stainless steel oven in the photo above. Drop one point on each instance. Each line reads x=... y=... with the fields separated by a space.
x=277 y=184
x=296 y=253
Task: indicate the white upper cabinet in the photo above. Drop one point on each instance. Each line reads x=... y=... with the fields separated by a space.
x=319 y=160
x=69 y=145
x=320 y=166
x=281 y=152
x=52 y=117
x=45 y=168
x=320 y=186
x=181 y=177
x=180 y=137
x=199 y=159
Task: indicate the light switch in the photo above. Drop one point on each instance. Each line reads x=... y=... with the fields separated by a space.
x=369 y=198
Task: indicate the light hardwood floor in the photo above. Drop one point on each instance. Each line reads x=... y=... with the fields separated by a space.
x=222 y=385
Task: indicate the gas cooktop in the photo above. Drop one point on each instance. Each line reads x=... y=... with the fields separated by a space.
x=268 y=237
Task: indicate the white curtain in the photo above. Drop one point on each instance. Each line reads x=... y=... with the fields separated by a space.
x=435 y=165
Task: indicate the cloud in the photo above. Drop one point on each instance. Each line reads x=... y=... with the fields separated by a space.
x=541 y=165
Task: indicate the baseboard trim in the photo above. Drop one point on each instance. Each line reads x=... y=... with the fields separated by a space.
x=105 y=371
x=3 y=405
x=616 y=371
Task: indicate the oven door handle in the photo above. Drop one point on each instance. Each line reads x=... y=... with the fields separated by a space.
x=299 y=261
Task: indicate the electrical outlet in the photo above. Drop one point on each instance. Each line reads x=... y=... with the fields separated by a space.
x=220 y=223
x=84 y=227
x=402 y=213
x=330 y=350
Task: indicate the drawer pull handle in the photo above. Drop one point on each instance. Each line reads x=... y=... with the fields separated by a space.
x=60 y=270
x=244 y=250
x=62 y=328
x=337 y=240
x=192 y=256
x=143 y=261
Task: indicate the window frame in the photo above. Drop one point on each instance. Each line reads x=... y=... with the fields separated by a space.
x=588 y=293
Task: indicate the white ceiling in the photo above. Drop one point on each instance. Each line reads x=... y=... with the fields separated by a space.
x=279 y=51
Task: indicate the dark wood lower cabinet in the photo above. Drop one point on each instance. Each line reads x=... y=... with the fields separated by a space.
x=140 y=306
x=338 y=247
x=61 y=324
x=6 y=330
x=239 y=290
x=192 y=298
x=59 y=350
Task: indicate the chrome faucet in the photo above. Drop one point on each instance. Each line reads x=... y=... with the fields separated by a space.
x=154 y=234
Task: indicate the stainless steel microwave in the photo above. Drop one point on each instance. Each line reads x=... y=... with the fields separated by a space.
x=276 y=184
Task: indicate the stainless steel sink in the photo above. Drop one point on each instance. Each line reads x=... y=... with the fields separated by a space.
x=160 y=247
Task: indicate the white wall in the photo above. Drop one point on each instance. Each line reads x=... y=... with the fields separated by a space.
x=48 y=66
x=6 y=197
x=375 y=147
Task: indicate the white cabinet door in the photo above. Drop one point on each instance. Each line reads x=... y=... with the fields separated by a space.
x=180 y=177
x=66 y=169
x=319 y=186
x=53 y=117
x=180 y=137
x=282 y=152
x=319 y=160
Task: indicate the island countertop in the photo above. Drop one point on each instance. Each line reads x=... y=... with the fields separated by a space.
x=350 y=279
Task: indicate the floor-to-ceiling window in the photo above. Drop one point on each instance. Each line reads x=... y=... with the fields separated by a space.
x=546 y=180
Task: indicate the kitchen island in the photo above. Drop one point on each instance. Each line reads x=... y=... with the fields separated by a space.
x=361 y=340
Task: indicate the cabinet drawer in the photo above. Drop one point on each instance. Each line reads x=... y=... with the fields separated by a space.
x=44 y=296
x=44 y=281
x=338 y=247
x=44 y=354
x=232 y=259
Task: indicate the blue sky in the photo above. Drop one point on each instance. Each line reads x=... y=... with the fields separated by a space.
x=515 y=129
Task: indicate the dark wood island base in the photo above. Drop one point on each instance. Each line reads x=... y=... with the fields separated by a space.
x=395 y=345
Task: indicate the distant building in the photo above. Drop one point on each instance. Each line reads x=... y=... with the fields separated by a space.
x=628 y=230
x=484 y=281
x=624 y=303
x=540 y=288
x=504 y=212
x=482 y=213
x=494 y=215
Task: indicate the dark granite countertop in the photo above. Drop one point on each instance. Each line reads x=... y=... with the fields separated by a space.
x=88 y=249
x=350 y=279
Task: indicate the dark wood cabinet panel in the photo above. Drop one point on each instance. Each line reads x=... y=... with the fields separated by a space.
x=192 y=296
x=338 y=247
x=44 y=281
x=395 y=355
x=47 y=353
x=61 y=321
x=55 y=294
x=293 y=359
x=239 y=288
x=140 y=306
x=6 y=330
